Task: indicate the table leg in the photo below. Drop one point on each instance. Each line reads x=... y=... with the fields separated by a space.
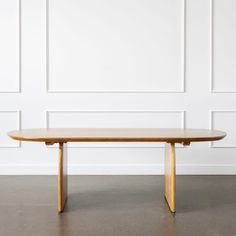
x=62 y=177
x=170 y=176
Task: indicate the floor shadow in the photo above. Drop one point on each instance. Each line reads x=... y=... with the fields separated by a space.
x=113 y=198
x=194 y=193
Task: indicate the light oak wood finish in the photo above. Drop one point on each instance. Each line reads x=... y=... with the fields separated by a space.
x=116 y=135
x=169 y=136
x=170 y=176
x=62 y=177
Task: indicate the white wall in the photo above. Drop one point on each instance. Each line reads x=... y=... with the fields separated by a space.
x=126 y=63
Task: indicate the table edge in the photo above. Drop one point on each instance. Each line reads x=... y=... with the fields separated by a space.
x=119 y=139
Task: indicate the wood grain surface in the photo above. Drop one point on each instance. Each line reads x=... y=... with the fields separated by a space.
x=116 y=135
x=62 y=177
x=170 y=176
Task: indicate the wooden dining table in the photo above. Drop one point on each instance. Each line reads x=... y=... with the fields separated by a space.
x=169 y=136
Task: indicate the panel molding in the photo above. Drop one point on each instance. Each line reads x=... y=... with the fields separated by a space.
x=211 y=46
x=212 y=144
x=181 y=112
x=212 y=89
x=19 y=52
x=183 y=61
x=18 y=122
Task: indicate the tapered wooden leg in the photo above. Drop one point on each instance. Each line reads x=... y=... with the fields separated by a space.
x=62 y=177
x=170 y=176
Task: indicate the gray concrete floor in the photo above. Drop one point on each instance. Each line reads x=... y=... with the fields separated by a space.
x=117 y=205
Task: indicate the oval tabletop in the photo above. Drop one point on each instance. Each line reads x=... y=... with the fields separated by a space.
x=116 y=135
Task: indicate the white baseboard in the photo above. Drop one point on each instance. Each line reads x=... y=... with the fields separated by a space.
x=124 y=169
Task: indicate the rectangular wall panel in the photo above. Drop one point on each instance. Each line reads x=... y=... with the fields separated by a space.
x=224 y=120
x=123 y=63
x=10 y=46
x=223 y=46
x=116 y=46
x=115 y=119
x=9 y=120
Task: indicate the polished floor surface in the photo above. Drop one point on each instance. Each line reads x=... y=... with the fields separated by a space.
x=117 y=205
